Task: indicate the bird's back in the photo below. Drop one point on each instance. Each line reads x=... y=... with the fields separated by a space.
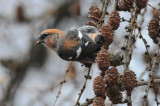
x=79 y=44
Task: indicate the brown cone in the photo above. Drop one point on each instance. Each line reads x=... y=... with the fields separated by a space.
x=125 y=5
x=129 y=3
x=129 y=81
x=114 y=95
x=95 y=13
x=141 y=3
x=98 y=101
x=108 y=34
x=114 y=20
x=153 y=29
x=112 y=76
x=99 y=86
x=103 y=60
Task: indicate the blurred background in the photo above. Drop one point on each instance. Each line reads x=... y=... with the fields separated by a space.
x=31 y=75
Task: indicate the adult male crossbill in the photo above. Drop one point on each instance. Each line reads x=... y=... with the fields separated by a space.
x=80 y=44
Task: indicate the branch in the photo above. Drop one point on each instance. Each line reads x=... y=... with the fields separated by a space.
x=130 y=40
x=62 y=82
x=115 y=5
x=128 y=47
x=153 y=7
x=104 y=8
x=146 y=46
x=142 y=83
x=84 y=86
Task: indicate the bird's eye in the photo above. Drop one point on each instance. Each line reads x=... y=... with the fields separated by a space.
x=44 y=35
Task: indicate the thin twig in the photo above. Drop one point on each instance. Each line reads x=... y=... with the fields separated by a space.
x=153 y=7
x=155 y=88
x=88 y=102
x=115 y=5
x=146 y=46
x=105 y=5
x=155 y=91
x=129 y=100
x=142 y=74
x=142 y=14
x=104 y=8
x=130 y=40
x=62 y=82
x=84 y=86
x=142 y=83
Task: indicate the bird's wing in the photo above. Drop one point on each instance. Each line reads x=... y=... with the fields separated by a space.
x=76 y=44
x=88 y=29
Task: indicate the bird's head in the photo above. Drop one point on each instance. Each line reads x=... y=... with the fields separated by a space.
x=50 y=38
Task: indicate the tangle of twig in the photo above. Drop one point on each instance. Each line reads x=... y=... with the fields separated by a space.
x=129 y=43
x=140 y=83
x=151 y=76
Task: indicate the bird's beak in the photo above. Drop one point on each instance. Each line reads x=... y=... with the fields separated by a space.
x=39 y=41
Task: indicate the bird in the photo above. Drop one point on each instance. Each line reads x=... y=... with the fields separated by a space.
x=79 y=44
